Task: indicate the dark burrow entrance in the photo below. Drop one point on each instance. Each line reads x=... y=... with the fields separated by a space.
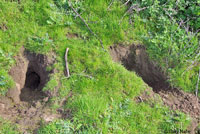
x=36 y=78
x=32 y=80
x=26 y=103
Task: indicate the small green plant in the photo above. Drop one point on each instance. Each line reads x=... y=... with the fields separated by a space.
x=174 y=122
x=6 y=82
x=52 y=84
x=63 y=5
x=7 y=128
x=40 y=44
x=2 y=81
x=5 y=59
x=57 y=127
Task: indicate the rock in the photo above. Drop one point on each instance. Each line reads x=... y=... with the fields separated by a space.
x=48 y=118
x=26 y=133
x=2 y=106
x=45 y=99
x=38 y=104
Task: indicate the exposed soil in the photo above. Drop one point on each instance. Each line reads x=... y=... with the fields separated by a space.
x=72 y=35
x=135 y=58
x=3 y=27
x=26 y=103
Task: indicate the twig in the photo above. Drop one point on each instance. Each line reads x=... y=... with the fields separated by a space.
x=193 y=64
x=126 y=3
x=66 y=64
x=85 y=75
x=86 y=24
x=197 y=87
x=110 y=4
x=172 y=19
x=137 y=8
x=133 y=7
x=129 y=11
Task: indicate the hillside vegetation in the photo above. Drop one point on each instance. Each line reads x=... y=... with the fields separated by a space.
x=101 y=93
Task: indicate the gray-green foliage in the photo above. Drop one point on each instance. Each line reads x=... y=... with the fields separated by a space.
x=57 y=127
x=7 y=128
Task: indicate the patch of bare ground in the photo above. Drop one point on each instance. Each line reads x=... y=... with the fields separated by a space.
x=135 y=58
x=72 y=35
x=26 y=104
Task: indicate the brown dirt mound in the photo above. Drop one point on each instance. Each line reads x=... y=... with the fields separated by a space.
x=135 y=58
x=26 y=103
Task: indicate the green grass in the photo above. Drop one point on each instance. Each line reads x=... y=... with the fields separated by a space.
x=7 y=128
x=103 y=91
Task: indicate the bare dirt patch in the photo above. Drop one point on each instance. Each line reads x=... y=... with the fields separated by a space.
x=72 y=35
x=26 y=104
x=135 y=58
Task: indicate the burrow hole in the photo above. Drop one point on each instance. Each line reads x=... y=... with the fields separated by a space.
x=36 y=78
x=135 y=58
x=32 y=80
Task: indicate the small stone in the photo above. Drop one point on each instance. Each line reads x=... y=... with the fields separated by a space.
x=26 y=133
x=48 y=118
x=60 y=110
x=45 y=99
x=38 y=104
x=2 y=106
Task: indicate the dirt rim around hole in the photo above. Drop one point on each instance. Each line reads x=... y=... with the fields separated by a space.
x=135 y=58
x=26 y=104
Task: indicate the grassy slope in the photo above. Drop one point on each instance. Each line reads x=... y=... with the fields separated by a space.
x=103 y=103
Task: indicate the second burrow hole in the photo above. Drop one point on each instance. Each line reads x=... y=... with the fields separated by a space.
x=135 y=58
